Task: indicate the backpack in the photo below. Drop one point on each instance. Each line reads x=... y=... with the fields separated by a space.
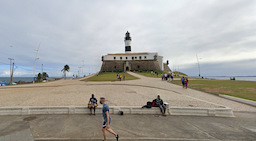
x=149 y=104
x=185 y=81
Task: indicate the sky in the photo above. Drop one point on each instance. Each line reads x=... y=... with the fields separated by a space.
x=221 y=33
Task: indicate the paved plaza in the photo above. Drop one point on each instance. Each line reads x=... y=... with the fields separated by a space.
x=130 y=127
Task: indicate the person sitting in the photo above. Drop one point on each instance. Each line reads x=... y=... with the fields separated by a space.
x=92 y=104
x=160 y=103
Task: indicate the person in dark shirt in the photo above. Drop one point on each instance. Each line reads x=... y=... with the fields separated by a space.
x=92 y=103
x=159 y=103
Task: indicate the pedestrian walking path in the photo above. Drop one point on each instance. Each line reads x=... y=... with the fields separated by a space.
x=157 y=82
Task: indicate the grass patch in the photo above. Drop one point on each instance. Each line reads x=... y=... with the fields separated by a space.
x=110 y=76
x=241 y=89
x=148 y=74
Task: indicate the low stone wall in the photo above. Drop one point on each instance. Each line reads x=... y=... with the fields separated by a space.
x=127 y=110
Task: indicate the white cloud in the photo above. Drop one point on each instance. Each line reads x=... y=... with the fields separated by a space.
x=217 y=31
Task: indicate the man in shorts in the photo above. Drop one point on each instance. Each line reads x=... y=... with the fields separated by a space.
x=107 y=120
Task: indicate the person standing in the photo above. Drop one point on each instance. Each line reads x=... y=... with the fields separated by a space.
x=182 y=81
x=186 y=82
x=107 y=120
x=92 y=104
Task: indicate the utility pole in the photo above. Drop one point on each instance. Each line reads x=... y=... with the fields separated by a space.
x=12 y=74
x=198 y=65
x=35 y=63
x=83 y=68
x=42 y=68
x=10 y=70
x=79 y=71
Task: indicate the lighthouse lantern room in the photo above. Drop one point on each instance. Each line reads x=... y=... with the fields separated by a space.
x=127 y=41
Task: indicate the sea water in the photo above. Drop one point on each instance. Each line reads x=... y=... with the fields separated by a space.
x=17 y=79
x=241 y=78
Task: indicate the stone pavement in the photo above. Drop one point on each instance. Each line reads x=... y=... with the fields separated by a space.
x=132 y=127
x=155 y=82
x=24 y=135
x=118 y=93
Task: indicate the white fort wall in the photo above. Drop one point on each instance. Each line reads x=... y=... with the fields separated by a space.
x=134 y=56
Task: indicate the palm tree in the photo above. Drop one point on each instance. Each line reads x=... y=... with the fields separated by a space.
x=45 y=75
x=66 y=68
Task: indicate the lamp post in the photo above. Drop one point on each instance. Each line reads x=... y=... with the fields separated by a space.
x=83 y=68
x=198 y=65
x=79 y=71
x=10 y=70
x=35 y=62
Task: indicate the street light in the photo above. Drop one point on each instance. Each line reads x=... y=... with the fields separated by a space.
x=35 y=62
x=10 y=70
x=198 y=65
x=83 y=67
x=79 y=71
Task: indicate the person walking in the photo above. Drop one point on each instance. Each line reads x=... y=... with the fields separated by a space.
x=107 y=120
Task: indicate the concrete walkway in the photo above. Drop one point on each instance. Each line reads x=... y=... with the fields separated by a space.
x=157 y=82
x=131 y=128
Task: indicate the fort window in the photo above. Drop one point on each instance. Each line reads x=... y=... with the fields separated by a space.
x=121 y=58
x=138 y=67
x=126 y=58
x=135 y=57
x=140 y=57
x=145 y=57
x=115 y=58
x=115 y=67
x=132 y=58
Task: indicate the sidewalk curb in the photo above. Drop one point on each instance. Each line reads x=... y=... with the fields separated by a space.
x=127 y=110
x=245 y=101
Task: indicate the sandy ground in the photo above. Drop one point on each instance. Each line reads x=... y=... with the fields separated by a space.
x=124 y=93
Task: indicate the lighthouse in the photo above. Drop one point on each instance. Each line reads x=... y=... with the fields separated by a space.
x=127 y=41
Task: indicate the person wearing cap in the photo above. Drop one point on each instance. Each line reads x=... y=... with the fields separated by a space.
x=92 y=104
x=159 y=103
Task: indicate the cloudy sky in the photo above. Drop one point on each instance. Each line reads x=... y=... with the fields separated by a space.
x=222 y=33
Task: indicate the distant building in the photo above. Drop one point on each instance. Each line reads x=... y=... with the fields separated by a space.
x=133 y=61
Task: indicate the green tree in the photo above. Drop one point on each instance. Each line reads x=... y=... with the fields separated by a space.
x=65 y=69
x=45 y=75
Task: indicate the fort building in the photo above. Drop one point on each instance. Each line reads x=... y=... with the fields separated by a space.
x=133 y=61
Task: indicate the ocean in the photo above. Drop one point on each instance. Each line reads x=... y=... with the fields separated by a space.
x=16 y=79
x=241 y=78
